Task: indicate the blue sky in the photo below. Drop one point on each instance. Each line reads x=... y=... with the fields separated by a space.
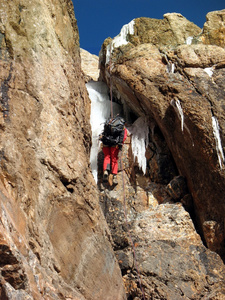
x=100 y=19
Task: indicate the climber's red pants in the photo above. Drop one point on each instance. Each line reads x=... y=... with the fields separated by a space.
x=110 y=159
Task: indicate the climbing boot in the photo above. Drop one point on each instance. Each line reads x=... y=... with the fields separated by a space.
x=115 y=181
x=105 y=176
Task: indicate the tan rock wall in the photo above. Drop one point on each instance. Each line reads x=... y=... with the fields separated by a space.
x=45 y=145
x=144 y=78
x=89 y=65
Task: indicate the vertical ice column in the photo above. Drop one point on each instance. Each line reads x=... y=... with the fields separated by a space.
x=139 y=140
x=100 y=112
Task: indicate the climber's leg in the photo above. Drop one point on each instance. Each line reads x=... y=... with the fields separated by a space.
x=114 y=160
x=107 y=159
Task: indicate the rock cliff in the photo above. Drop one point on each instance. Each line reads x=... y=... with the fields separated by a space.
x=164 y=228
x=54 y=241
x=170 y=72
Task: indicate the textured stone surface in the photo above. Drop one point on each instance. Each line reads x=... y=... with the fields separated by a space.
x=89 y=65
x=154 y=237
x=214 y=29
x=54 y=239
x=152 y=77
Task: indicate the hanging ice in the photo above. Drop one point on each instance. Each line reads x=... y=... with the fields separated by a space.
x=100 y=112
x=219 y=147
x=120 y=39
x=179 y=111
x=139 y=141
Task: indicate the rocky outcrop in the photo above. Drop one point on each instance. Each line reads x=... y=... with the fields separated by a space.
x=174 y=79
x=213 y=31
x=152 y=223
x=54 y=243
x=89 y=65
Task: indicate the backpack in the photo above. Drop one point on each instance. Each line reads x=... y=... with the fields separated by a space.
x=113 y=132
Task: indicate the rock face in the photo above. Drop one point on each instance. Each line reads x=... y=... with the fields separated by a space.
x=186 y=105
x=54 y=242
x=155 y=240
x=89 y=65
x=175 y=79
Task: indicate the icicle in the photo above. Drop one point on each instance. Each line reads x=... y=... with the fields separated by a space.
x=100 y=112
x=179 y=111
x=189 y=40
x=219 y=147
x=139 y=140
x=120 y=39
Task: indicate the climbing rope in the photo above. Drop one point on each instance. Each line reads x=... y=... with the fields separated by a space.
x=124 y=196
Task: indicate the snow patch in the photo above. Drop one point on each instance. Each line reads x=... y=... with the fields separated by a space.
x=219 y=148
x=209 y=71
x=139 y=141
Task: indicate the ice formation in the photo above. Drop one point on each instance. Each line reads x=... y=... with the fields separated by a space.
x=170 y=67
x=219 y=147
x=120 y=39
x=189 y=40
x=209 y=71
x=139 y=141
x=179 y=110
x=100 y=112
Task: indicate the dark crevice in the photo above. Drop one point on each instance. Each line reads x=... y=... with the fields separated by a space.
x=5 y=97
x=68 y=185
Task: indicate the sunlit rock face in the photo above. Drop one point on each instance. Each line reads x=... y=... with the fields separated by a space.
x=213 y=31
x=175 y=79
x=89 y=65
x=54 y=241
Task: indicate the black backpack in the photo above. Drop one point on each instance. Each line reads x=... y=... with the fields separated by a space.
x=113 y=132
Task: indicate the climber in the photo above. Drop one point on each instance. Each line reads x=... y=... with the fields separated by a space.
x=113 y=137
